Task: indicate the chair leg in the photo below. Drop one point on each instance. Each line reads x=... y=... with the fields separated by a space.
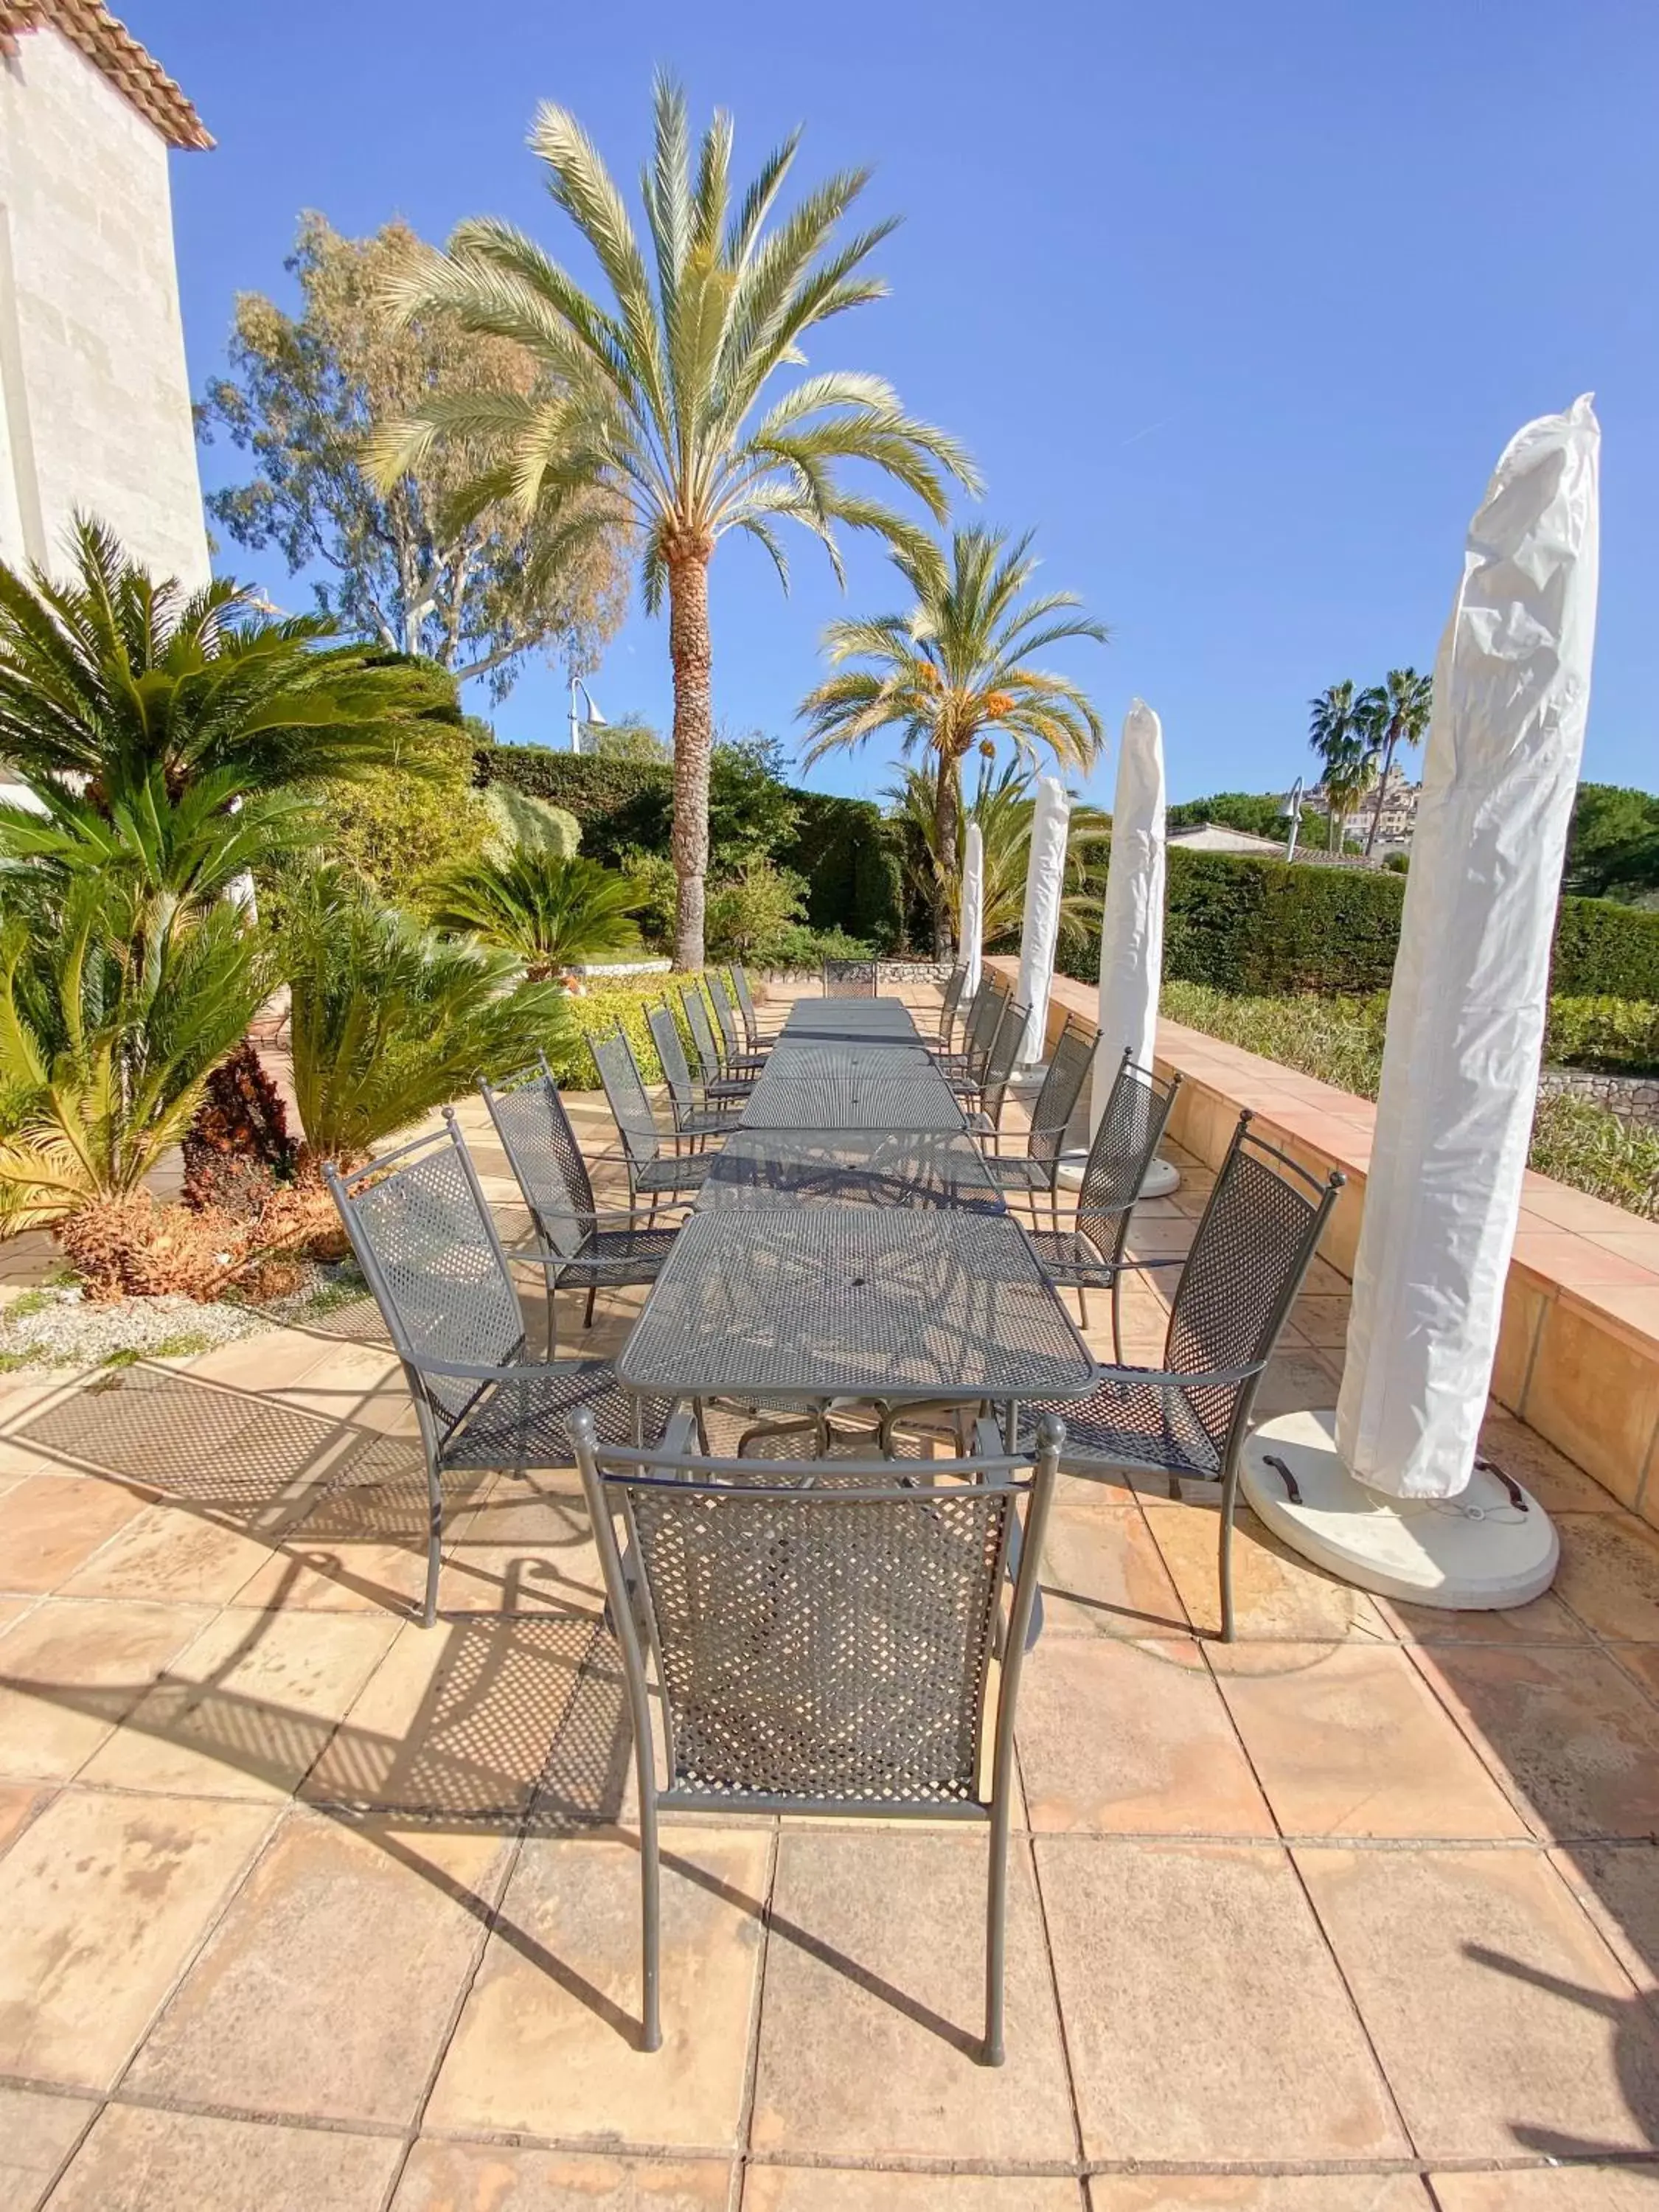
x=996 y=1934
x=593 y=1292
x=1117 y=1317
x=1229 y=1494
x=650 y=1908
x=434 y=1540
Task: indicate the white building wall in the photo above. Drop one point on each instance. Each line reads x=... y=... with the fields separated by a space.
x=94 y=396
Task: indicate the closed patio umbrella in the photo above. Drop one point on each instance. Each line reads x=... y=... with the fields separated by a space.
x=1460 y=1067
x=1132 y=919
x=970 y=934
x=1045 y=884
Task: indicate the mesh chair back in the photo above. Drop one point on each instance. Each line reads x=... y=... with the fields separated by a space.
x=677 y=1074
x=1004 y=1048
x=703 y=1030
x=719 y=999
x=824 y=1641
x=1252 y=1249
x=980 y=1023
x=746 y=1003
x=1131 y=1125
x=625 y=1094
x=543 y=1152
x=424 y=1239
x=950 y=1000
x=1062 y=1086
x=849 y=979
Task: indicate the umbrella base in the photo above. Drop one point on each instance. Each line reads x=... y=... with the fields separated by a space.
x=1160 y=1179
x=1492 y=1545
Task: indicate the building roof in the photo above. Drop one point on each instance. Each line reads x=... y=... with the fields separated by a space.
x=116 y=55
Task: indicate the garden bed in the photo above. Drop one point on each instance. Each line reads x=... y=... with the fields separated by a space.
x=56 y=1325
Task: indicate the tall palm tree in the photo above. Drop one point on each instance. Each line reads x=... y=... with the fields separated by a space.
x=116 y=673
x=645 y=417
x=954 y=674
x=1339 y=731
x=1396 y=713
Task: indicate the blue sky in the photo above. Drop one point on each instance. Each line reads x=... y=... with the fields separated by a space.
x=1236 y=307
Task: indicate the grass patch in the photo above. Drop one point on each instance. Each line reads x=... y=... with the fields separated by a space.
x=332 y=1296
x=1340 y=1041
x=184 y=1345
x=126 y=1357
x=26 y=1303
x=11 y=1361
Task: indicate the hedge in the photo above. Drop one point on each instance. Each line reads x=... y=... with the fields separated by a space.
x=842 y=846
x=1264 y=928
x=600 y=1006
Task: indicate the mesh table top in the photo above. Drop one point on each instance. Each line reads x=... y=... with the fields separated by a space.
x=850 y=1098
x=817 y=1300
x=850 y=1167
x=852 y=1019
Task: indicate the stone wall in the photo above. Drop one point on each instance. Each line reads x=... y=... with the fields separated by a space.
x=95 y=395
x=1632 y=1098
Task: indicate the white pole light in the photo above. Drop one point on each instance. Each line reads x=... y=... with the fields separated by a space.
x=970 y=932
x=1045 y=884
x=1392 y=1494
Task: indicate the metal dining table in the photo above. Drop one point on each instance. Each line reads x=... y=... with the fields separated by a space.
x=848 y=1241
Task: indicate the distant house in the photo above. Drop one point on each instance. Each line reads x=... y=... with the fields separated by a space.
x=1217 y=837
x=94 y=399
x=1394 y=801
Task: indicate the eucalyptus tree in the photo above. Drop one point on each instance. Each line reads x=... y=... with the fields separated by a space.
x=1396 y=713
x=953 y=673
x=1339 y=731
x=648 y=416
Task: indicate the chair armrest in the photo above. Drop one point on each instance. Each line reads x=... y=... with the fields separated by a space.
x=1165 y=1378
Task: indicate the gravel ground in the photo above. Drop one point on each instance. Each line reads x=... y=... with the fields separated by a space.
x=57 y=1327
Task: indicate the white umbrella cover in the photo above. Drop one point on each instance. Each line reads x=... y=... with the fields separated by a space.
x=1045 y=881
x=970 y=934
x=1132 y=919
x=1466 y=1013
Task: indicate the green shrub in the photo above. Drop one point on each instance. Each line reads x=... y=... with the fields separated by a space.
x=520 y=823
x=1340 y=1041
x=1250 y=926
x=750 y=914
x=1618 y=1036
x=842 y=847
x=601 y=1006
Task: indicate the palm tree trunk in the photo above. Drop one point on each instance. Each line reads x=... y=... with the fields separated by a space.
x=1389 y=744
x=692 y=656
x=947 y=836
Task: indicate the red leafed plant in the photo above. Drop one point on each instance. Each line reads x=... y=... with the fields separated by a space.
x=239 y=1145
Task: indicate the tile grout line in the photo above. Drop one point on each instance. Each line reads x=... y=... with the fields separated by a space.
x=1054 y=1973
x=737 y=2186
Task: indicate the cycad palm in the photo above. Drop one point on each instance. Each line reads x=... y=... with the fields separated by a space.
x=1339 y=731
x=548 y=910
x=119 y=673
x=954 y=673
x=1397 y=712
x=645 y=419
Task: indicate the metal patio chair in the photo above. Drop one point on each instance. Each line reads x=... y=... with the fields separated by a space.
x=717 y=1084
x=1035 y=1173
x=950 y=1000
x=989 y=1090
x=736 y=1060
x=693 y=1117
x=849 y=979
x=1188 y=1417
x=1089 y=1256
x=575 y=1242
x=979 y=1028
x=656 y=1171
x=823 y=1644
x=758 y=1037
x=426 y=1243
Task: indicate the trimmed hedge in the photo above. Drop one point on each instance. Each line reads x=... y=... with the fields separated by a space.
x=1265 y=928
x=841 y=846
x=602 y=1005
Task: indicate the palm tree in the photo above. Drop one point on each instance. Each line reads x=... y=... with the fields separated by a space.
x=1004 y=804
x=1339 y=733
x=549 y=911
x=644 y=419
x=954 y=674
x=1396 y=712
x=116 y=672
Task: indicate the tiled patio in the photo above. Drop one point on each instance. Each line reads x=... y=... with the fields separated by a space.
x=302 y=1905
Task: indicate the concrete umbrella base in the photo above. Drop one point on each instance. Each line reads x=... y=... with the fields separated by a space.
x=1493 y=1544
x=1160 y=1179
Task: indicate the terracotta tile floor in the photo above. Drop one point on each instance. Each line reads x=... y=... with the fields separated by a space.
x=302 y=1905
